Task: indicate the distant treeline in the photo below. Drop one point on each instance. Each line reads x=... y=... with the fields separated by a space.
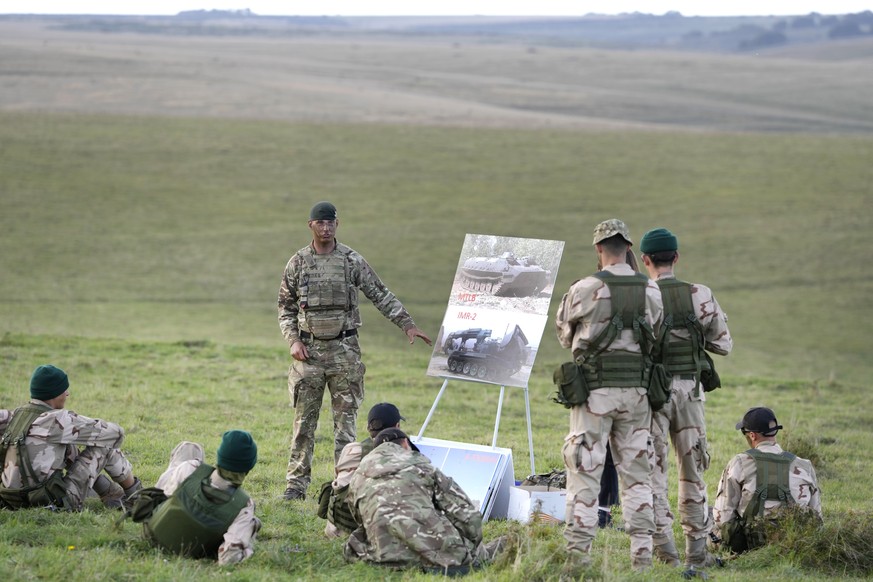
x=636 y=30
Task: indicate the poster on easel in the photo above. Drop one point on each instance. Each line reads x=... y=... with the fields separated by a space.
x=497 y=309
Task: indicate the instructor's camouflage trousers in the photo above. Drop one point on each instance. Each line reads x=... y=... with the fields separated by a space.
x=337 y=365
x=621 y=416
x=682 y=421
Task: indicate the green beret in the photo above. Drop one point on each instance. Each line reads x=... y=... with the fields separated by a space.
x=323 y=211
x=48 y=382
x=658 y=240
x=237 y=452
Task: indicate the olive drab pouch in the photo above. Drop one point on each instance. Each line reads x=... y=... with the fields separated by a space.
x=709 y=378
x=339 y=513
x=571 y=384
x=324 y=499
x=659 y=390
x=733 y=536
x=50 y=492
x=145 y=503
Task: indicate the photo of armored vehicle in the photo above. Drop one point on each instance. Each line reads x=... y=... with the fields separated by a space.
x=506 y=275
x=474 y=353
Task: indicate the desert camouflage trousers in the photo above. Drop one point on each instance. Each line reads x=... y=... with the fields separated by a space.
x=681 y=421
x=87 y=466
x=622 y=417
x=337 y=365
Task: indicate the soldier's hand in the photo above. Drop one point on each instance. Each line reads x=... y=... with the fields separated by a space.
x=414 y=332
x=299 y=351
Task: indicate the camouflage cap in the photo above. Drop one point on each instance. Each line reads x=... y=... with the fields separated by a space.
x=609 y=228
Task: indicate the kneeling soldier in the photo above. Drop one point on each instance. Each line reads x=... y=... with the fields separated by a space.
x=759 y=481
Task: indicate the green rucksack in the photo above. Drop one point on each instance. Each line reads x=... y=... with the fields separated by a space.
x=746 y=532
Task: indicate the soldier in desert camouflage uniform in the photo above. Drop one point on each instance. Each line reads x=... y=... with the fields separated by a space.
x=412 y=514
x=617 y=409
x=682 y=419
x=319 y=318
x=207 y=514
x=44 y=464
x=755 y=473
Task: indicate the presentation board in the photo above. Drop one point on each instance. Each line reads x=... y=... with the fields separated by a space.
x=486 y=474
x=497 y=309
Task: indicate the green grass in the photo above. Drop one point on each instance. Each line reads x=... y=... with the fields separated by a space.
x=178 y=229
x=143 y=255
x=165 y=392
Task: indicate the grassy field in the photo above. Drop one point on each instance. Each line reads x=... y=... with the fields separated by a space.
x=165 y=392
x=156 y=228
x=147 y=211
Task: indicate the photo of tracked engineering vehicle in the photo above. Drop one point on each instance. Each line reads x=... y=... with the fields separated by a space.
x=474 y=353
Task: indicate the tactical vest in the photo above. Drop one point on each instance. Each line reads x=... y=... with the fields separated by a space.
x=338 y=511
x=682 y=356
x=32 y=493
x=628 y=300
x=194 y=519
x=325 y=291
x=771 y=484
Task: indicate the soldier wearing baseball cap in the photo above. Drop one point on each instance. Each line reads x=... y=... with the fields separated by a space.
x=332 y=506
x=614 y=361
x=757 y=482
x=411 y=514
x=381 y=416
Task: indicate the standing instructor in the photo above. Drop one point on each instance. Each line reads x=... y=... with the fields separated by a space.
x=319 y=317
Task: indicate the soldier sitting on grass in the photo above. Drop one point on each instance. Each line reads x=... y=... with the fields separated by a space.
x=53 y=457
x=758 y=482
x=207 y=514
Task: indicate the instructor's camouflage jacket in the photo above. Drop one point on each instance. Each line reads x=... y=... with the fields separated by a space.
x=362 y=277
